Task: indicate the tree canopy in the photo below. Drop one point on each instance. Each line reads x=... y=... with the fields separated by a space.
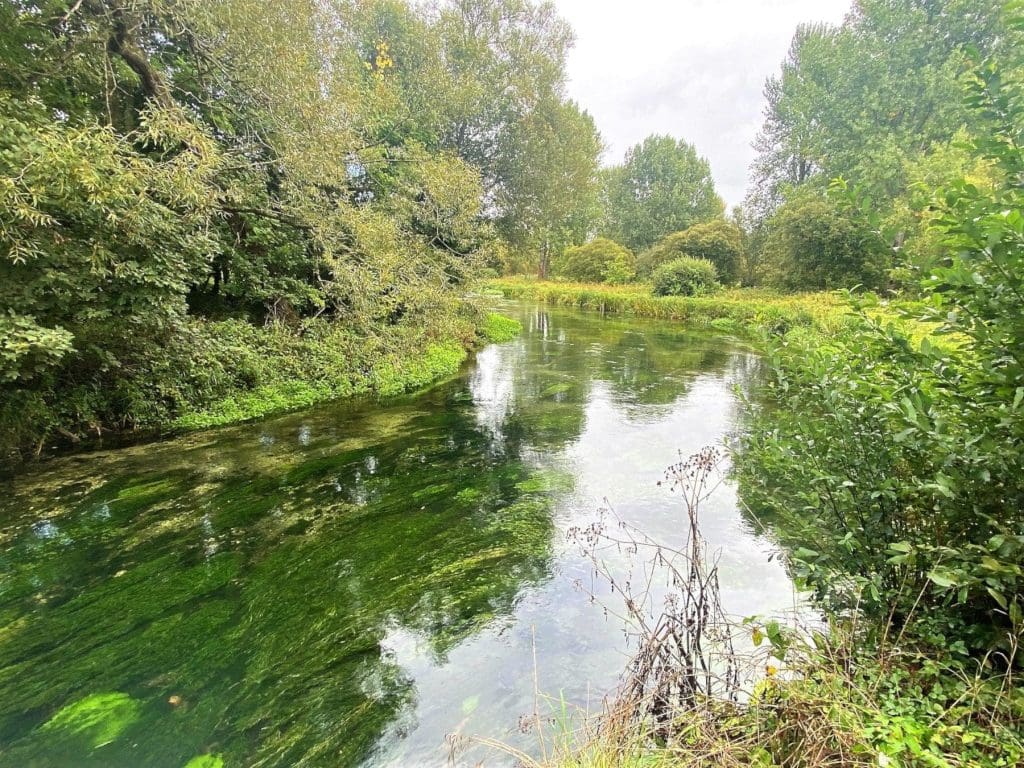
x=718 y=241
x=870 y=101
x=663 y=186
x=352 y=161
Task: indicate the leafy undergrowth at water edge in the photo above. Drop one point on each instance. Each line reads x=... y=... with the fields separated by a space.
x=498 y=328
x=231 y=371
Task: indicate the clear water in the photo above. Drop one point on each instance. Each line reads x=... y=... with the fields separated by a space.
x=351 y=585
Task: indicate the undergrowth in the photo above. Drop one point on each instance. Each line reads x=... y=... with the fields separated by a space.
x=747 y=311
x=836 y=704
x=212 y=373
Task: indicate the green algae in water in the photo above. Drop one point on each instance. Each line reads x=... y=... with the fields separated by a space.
x=290 y=582
x=206 y=761
x=556 y=389
x=547 y=481
x=95 y=720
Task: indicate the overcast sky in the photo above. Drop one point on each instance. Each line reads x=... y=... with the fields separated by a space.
x=694 y=69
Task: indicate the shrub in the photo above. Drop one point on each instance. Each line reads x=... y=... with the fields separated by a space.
x=685 y=277
x=718 y=241
x=814 y=244
x=896 y=466
x=599 y=261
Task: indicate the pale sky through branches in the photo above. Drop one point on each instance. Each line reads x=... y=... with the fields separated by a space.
x=694 y=69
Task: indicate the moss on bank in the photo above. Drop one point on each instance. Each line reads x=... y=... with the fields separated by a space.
x=401 y=371
x=497 y=328
x=392 y=376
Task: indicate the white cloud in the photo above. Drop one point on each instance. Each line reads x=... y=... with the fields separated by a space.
x=694 y=69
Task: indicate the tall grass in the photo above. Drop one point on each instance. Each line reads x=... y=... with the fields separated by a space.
x=735 y=309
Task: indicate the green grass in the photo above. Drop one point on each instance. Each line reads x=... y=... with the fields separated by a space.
x=735 y=309
x=403 y=370
x=750 y=311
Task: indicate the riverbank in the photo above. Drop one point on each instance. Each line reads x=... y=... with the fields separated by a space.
x=742 y=311
x=735 y=310
x=860 y=423
x=231 y=371
x=836 y=705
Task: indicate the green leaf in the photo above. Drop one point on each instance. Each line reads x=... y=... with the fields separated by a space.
x=942 y=579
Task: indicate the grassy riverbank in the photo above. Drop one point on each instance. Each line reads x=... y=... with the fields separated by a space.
x=231 y=371
x=740 y=310
x=299 y=373
x=728 y=310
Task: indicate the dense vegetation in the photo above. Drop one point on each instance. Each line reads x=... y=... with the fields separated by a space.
x=211 y=211
x=717 y=241
x=886 y=449
x=685 y=276
x=599 y=261
x=906 y=457
x=206 y=201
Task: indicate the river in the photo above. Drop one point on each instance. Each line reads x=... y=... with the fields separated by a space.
x=351 y=585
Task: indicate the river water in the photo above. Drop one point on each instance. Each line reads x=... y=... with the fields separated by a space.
x=354 y=584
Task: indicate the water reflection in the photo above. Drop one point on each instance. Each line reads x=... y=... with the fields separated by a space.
x=348 y=585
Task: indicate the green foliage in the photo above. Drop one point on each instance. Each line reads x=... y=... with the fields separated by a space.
x=269 y=165
x=28 y=349
x=755 y=312
x=897 y=465
x=662 y=186
x=717 y=241
x=813 y=243
x=876 y=101
x=861 y=99
x=685 y=277
x=498 y=328
x=599 y=261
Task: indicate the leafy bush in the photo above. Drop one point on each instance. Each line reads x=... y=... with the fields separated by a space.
x=897 y=468
x=685 y=277
x=599 y=261
x=718 y=241
x=814 y=244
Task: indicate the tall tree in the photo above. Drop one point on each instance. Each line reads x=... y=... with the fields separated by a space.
x=507 y=61
x=168 y=159
x=554 y=202
x=863 y=99
x=663 y=186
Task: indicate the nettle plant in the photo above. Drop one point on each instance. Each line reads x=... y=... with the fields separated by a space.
x=897 y=468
